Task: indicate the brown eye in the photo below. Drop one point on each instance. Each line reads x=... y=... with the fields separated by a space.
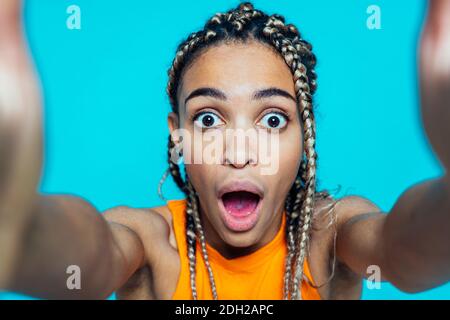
x=274 y=120
x=207 y=120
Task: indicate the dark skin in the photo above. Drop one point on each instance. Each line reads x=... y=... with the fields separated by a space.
x=133 y=251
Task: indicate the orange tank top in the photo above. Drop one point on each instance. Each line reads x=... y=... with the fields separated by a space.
x=256 y=276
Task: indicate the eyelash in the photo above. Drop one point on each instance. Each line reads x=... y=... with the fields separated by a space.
x=195 y=116
x=277 y=111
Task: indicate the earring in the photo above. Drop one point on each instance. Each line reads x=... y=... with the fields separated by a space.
x=176 y=152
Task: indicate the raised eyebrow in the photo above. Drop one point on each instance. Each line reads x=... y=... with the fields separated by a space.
x=272 y=92
x=259 y=94
x=208 y=92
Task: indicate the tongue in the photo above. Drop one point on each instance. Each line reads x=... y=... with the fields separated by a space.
x=240 y=203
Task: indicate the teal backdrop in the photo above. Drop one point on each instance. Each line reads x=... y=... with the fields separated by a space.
x=105 y=103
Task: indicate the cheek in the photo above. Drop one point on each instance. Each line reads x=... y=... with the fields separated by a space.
x=202 y=177
x=291 y=148
x=202 y=152
x=202 y=147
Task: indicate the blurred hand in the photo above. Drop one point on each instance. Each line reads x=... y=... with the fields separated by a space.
x=435 y=78
x=20 y=136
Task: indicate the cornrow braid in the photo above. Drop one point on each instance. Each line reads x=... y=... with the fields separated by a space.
x=242 y=24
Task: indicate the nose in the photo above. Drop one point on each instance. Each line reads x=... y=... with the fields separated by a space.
x=240 y=149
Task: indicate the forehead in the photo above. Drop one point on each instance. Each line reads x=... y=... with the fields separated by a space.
x=238 y=69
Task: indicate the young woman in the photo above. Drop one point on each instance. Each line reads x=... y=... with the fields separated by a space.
x=238 y=234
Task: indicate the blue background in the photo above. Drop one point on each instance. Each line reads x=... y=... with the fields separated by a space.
x=105 y=103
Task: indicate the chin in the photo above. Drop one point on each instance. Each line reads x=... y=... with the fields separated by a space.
x=240 y=239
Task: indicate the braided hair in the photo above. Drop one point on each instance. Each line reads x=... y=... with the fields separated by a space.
x=242 y=24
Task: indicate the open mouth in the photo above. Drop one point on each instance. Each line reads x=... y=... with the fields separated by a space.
x=240 y=203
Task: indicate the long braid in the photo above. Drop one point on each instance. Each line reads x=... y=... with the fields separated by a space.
x=191 y=249
x=193 y=210
x=290 y=237
x=308 y=202
x=174 y=170
x=193 y=224
x=292 y=204
x=242 y=24
x=290 y=51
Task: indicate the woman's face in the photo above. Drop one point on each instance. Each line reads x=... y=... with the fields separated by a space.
x=229 y=90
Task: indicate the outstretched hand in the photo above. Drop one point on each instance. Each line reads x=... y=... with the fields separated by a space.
x=20 y=135
x=435 y=78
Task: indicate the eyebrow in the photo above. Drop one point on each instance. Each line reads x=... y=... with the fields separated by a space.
x=259 y=94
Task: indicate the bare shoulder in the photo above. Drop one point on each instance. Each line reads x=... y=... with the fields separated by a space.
x=151 y=230
x=345 y=206
x=136 y=218
x=152 y=225
x=352 y=208
x=330 y=216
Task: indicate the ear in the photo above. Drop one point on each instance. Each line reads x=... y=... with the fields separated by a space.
x=173 y=122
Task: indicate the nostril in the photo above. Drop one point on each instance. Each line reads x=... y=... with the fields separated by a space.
x=239 y=161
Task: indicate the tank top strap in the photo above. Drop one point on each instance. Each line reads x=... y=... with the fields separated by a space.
x=177 y=209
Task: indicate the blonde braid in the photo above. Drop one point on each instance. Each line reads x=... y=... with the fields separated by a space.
x=291 y=222
x=310 y=189
x=192 y=210
x=193 y=224
x=191 y=248
x=290 y=53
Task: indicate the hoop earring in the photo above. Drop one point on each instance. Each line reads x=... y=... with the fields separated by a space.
x=176 y=153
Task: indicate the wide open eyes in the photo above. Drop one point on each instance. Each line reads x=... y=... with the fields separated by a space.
x=274 y=120
x=206 y=120
x=271 y=120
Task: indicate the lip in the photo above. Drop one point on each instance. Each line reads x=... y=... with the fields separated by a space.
x=241 y=185
x=248 y=221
